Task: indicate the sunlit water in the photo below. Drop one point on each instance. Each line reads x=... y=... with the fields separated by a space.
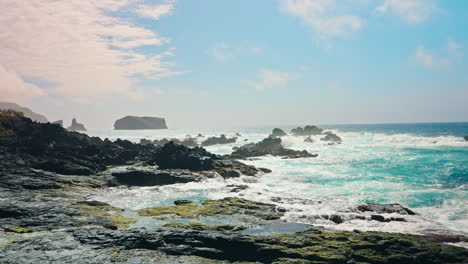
x=421 y=166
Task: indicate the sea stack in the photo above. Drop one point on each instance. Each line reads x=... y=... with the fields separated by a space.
x=75 y=126
x=136 y=122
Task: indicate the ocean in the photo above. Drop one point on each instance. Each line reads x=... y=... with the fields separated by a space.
x=421 y=166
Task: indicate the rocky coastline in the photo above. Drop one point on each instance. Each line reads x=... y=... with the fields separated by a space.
x=46 y=174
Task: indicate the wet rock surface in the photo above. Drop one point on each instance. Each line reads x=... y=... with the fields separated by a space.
x=211 y=141
x=306 y=131
x=277 y=132
x=47 y=217
x=268 y=146
x=332 y=138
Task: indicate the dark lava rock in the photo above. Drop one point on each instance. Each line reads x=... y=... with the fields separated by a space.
x=309 y=140
x=268 y=146
x=278 y=133
x=218 y=140
x=312 y=246
x=237 y=188
x=75 y=126
x=330 y=137
x=50 y=147
x=385 y=208
x=466 y=138
x=188 y=142
x=307 y=131
x=136 y=122
x=234 y=168
x=154 y=177
x=172 y=156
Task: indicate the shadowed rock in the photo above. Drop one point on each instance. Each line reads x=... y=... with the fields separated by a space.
x=278 y=133
x=332 y=138
x=268 y=146
x=172 y=156
x=307 y=131
x=218 y=140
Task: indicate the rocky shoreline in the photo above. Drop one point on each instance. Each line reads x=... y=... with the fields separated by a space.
x=46 y=174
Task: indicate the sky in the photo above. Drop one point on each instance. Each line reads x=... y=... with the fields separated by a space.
x=222 y=63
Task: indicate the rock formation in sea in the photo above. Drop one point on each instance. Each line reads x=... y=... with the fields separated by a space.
x=218 y=140
x=136 y=122
x=269 y=146
x=58 y=122
x=332 y=138
x=277 y=132
x=49 y=217
x=188 y=141
x=466 y=138
x=307 y=131
x=75 y=126
x=26 y=111
x=309 y=140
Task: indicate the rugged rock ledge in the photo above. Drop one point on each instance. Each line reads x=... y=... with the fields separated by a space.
x=268 y=146
x=46 y=217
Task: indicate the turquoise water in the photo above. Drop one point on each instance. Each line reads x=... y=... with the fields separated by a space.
x=422 y=166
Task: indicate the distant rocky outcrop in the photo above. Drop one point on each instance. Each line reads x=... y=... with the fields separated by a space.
x=278 y=133
x=188 y=142
x=136 y=122
x=26 y=111
x=332 y=138
x=75 y=126
x=269 y=146
x=307 y=131
x=58 y=122
x=218 y=140
x=466 y=138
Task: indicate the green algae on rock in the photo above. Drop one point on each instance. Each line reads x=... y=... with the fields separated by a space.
x=226 y=206
x=18 y=230
x=106 y=211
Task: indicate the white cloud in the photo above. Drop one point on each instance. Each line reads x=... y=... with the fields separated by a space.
x=14 y=88
x=321 y=16
x=452 y=45
x=157 y=11
x=413 y=11
x=428 y=60
x=268 y=79
x=222 y=52
x=79 y=46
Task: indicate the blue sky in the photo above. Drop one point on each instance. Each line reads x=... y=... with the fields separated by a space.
x=209 y=63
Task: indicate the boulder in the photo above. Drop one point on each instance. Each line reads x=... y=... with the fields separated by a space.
x=278 y=133
x=268 y=146
x=465 y=138
x=136 y=122
x=385 y=208
x=309 y=140
x=173 y=156
x=218 y=140
x=307 y=131
x=26 y=111
x=154 y=177
x=332 y=138
x=75 y=126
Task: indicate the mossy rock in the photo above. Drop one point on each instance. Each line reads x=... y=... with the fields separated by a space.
x=223 y=207
x=111 y=213
x=19 y=230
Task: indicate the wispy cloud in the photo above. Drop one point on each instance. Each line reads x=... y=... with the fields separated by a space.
x=431 y=60
x=413 y=11
x=156 y=11
x=79 y=45
x=268 y=79
x=221 y=52
x=225 y=52
x=321 y=15
x=14 y=88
